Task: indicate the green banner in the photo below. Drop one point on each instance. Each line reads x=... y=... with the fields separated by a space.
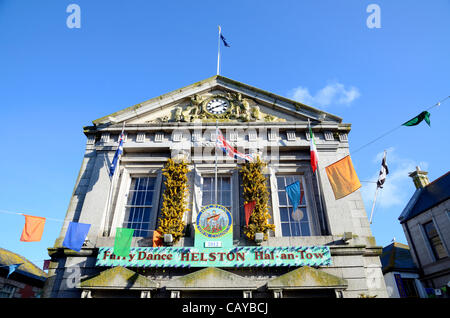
x=241 y=256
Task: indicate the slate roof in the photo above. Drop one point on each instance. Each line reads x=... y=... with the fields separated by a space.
x=425 y=198
x=397 y=257
x=26 y=268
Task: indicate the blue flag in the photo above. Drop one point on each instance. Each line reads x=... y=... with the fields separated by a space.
x=224 y=40
x=12 y=268
x=294 y=194
x=75 y=235
x=117 y=155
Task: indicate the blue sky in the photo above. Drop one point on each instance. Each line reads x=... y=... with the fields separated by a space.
x=55 y=80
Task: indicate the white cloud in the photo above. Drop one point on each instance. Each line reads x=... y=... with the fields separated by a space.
x=398 y=186
x=332 y=94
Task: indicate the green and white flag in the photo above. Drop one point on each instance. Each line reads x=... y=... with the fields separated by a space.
x=418 y=119
x=122 y=242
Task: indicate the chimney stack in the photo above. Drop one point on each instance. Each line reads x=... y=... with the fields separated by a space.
x=420 y=178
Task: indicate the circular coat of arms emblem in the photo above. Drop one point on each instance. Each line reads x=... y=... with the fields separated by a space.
x=214 y=220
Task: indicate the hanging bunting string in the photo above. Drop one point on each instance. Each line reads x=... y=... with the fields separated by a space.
x=394 y=129
x=16 y=213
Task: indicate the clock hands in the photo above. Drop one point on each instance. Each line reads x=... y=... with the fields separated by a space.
x=219 y=105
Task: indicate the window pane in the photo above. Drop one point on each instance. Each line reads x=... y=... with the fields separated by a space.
x=282 y=198
x=226 y=184
x=304 y=214
x=148 y=198
x=284 y=217
x=139 y=205
x=290 y=180
x=207 y=184
x=206 y=197
x=285 y=230
x=142 y=184
x=151 y=184
x=226 y=198
x=305 y=229
x=295 y=229
x=139 y=198
x=131 y=198
x=280 y=183
x=434 y=240
x=146 y=214
x=297 y=222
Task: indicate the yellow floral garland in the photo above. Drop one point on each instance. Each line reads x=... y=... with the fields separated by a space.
x=255 y=189
x=174 y=199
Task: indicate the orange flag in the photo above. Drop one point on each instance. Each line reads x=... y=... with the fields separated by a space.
x=342 y=177
x=157 y=239
x=33 y=229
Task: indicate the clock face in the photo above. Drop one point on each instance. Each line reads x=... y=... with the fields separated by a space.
x=217 y=106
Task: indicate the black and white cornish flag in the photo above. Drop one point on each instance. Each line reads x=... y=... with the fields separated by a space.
x=383 y=172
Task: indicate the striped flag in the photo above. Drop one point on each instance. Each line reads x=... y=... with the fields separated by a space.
x=313 y=150
x=418 y=119
x=228 y=149
x=384 y=171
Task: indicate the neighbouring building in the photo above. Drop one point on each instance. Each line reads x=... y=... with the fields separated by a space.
x=26 y=281
x=401 y=274
x=323 y=249
x=426 y=223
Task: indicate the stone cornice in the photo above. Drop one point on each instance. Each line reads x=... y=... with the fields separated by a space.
x=291 y=125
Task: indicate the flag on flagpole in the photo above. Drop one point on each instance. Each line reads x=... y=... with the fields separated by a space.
x=223 y=38
x=122 y=242
x=75 y=235
x=342 y=177
x=295 y=194
x=228 y=149
x=33 y=228
x=384 y=171
x=249 y=207
x=117 y=155
x=313 y=150
x=418 y=119
x=12 y=269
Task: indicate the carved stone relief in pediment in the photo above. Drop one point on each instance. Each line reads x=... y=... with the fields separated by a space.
x=221 y=106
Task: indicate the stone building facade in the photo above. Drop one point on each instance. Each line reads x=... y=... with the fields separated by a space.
x=426 y=223
x=182 y=124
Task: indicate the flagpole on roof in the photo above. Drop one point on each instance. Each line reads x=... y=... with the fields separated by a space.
x=218 y=51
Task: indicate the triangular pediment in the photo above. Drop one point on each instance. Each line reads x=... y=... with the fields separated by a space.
x=211 y=278
x=217 y=98
x=307 y=278
x=118 y=278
